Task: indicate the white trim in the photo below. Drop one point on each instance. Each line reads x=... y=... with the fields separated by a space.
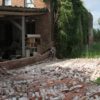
x=33 y=35
x=29 y=3
x=8 y=3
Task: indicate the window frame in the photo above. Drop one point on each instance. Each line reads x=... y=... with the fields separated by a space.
x=27 y=4
x=5 y=3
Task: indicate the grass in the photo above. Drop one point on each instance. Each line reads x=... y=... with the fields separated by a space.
x=91 y=52
x=97 y=81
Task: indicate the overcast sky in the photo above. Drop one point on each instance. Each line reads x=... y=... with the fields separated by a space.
x=94 y=7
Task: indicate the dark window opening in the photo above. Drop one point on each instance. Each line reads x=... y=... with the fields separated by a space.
x=30 y=28
x=6 y=34
x=6 y=37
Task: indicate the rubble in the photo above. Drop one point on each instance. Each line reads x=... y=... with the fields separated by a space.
x=3 y=71
x=52 y=80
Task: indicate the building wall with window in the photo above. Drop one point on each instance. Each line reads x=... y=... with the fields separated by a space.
x=39 y=4
x=19 y=3
x=7 y=2
x=1 y=2
x=43 y=25
x=22 y=3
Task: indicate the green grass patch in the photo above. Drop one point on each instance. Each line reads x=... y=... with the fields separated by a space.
x=91 y=52
x=97 y=81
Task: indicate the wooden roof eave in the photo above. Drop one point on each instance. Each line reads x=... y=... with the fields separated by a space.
x=21 y=11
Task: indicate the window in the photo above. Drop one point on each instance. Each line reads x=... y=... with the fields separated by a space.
x=7 y=2
x=30 y=27
x=29 y=3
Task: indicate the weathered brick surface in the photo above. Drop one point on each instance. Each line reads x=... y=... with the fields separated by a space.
x=39 y=4
x=43 y=27
x=20 y=3
x=0 y=2
x=50 y=81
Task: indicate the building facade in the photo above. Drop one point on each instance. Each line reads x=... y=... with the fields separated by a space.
x=23 y=3
x=27 y=22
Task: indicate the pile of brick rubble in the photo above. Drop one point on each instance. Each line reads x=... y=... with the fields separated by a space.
x=58 y=80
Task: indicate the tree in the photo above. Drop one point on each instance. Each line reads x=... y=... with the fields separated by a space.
x=99 y=21
x=71 y=26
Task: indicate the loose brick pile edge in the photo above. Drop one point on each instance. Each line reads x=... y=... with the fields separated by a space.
x=12 y=64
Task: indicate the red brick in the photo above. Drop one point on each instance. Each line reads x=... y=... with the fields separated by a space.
x=20 y=3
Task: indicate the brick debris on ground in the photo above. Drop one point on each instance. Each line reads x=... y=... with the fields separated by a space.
x=52 y=80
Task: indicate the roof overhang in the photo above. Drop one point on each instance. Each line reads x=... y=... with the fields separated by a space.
x=21 y=11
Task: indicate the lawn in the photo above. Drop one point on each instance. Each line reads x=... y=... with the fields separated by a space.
x=91 y=52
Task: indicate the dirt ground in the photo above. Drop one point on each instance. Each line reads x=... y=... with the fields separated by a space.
x=68 y=79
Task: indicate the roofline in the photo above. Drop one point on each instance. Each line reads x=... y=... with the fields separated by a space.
x=22 y=9
x=9 y=10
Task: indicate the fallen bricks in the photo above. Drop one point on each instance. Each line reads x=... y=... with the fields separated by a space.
x=49 y=82
x=11 y=64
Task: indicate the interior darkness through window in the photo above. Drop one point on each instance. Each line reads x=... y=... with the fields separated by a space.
x=30 y=27
x=6 y=33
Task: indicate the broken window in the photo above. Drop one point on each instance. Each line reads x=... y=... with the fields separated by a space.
x=7 y=2
x=29 y=3
x=30 y=27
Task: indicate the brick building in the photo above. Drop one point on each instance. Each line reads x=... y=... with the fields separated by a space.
x=28 y=22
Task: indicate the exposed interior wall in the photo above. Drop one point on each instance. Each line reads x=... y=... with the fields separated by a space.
x=1 y=35
x=17 y=36
x=42 y=27
x=5 y=33
x=8 y=35
x=16 y=33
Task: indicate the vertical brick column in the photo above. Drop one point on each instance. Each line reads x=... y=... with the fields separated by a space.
x=44 y=27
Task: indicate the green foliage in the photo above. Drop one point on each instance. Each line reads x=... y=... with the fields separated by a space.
x=71 y=27
x=63 y=28
x=91 y=52
x=96 y=35
x=99 y=21
x=97 y=81
x=45 y=0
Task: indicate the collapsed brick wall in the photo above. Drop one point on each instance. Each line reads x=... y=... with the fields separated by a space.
x=12 y=64
x=43 y=27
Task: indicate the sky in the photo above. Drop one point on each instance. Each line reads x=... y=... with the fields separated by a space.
x=93 y=6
